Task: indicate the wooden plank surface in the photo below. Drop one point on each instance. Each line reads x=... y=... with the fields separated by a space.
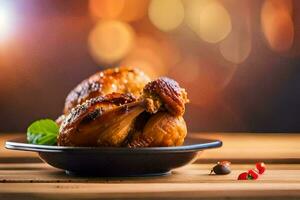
x=22 y=177
x=194 y=173
x=39 y=180
x=149 y=191
x=240 y=147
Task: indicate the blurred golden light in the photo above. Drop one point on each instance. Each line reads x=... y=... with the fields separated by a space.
x=237 y=46
x=144 y=64
x=106 y=9
x=203 y=78
x=166 y=15
x=124 y=10
x=169 y=51
x=162 y=45
x=193 y=9
x=214 y=22
x=200 y=78
x=277 y=24
x=110 y=41
x=273 y=6
x=147 y=56
x=134 y=10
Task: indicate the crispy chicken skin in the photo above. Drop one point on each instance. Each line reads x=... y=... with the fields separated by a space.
x=152 y=117
x=165 y=100
x=161 y=130
x=167 y=92
x=101 y=121
x=119 y=80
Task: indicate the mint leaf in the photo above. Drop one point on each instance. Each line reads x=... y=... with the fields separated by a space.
x=43 y=132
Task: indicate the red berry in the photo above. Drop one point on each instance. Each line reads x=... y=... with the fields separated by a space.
x=261 y=167
x=253 y=174
x=243 y=176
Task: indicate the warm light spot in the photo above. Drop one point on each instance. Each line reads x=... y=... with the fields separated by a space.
x=237 y=46
x=110 y=41
x=144 y=64
x=199 y=77
x=166 y=15
x=277 y=25
x=134 y=10
x=169 y=51
x=275 y=5
x=5 y=23
x=106 y=9
x=189 y=69
x=124 y=10
x=152 y=54
x=146 y=56
x=214 y=22
x=193 y=9
x=203 y=77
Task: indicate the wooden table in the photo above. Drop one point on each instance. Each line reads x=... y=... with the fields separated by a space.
x=24 y=176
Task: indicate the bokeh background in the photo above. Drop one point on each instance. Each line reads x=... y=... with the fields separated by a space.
x=238 y=59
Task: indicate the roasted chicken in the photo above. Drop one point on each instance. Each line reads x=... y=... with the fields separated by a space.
x=119 y=80
x=148 y=118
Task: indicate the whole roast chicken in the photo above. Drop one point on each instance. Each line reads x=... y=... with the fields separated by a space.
x=121 y=107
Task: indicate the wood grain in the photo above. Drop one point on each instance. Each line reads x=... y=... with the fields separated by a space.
x=237 y=147
x=195 y=173
x=255 y=146
x=149 y=190
x=39 y=181
x=22 y=177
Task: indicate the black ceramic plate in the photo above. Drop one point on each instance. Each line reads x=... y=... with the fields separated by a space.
x=110 y=161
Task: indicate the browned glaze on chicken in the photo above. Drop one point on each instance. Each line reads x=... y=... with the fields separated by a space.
x=119 y=80
x=165 y=100
x=101 y=121
x=167 y=92
x=161 y=130
x=152 y=119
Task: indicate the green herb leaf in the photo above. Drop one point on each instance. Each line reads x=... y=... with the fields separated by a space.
x=43 y=132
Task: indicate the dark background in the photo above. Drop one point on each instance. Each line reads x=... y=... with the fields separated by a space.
x=47 y=54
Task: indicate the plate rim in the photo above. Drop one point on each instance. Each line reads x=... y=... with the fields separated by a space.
x=12 y=144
